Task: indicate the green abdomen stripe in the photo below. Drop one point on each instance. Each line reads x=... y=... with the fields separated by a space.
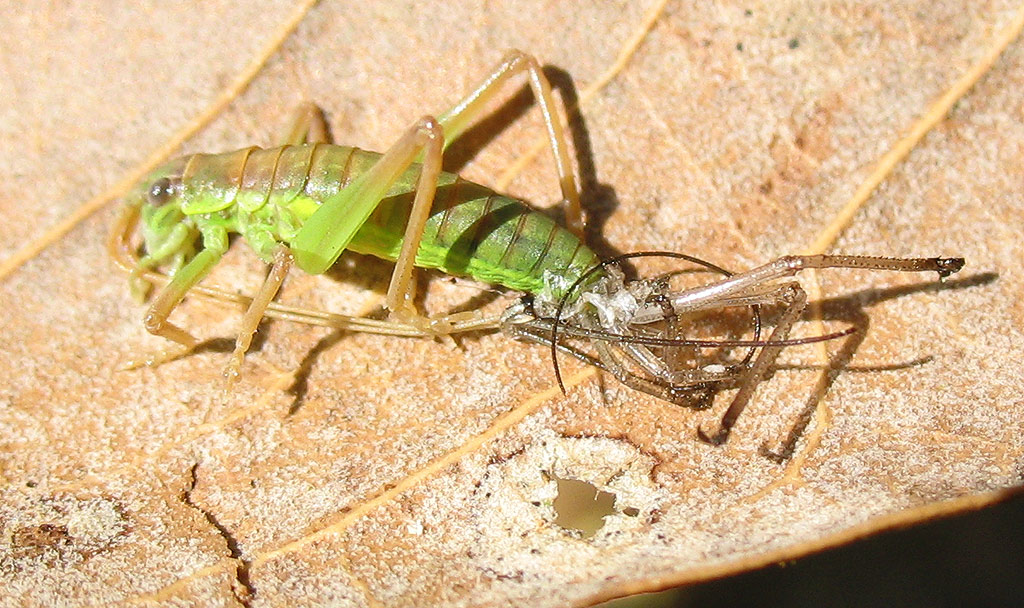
x=476 y=233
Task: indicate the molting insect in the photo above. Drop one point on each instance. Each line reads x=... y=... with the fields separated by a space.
x=306 y=202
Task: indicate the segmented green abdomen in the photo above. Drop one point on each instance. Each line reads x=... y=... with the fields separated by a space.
x=471 y=231
x=477 y=233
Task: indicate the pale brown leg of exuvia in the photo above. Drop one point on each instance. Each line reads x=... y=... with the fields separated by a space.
x=795 y=300
x=254 y=315
x=681 y=393
x=666 y=381
x=786 y=266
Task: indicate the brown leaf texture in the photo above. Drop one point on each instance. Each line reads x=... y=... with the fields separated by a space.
x=363 y=470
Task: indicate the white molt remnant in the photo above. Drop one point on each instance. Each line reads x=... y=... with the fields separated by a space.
x=610 y=303
x=612 y=309
x=546 y=304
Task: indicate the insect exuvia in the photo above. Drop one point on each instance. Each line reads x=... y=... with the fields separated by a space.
x=304 y=203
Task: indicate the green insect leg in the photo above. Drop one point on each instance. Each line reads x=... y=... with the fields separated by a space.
x=330 y=229
x=172 y=294
x=402 y=289
x=307 y=126
x=254 y=314
x=458 y=119
x=454 y=123
x=328 y=232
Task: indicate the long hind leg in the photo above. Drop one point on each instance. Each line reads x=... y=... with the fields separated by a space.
x=458 y=119
x=168 y=298
x=454 y=122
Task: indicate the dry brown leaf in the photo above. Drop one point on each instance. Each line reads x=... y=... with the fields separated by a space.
x=364 y=470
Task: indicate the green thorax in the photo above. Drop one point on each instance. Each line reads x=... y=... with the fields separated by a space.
x=267 y=196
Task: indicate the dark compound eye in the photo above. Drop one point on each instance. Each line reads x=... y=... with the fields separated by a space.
x=161 y=191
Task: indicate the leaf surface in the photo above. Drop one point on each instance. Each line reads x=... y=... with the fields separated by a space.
x=367 y=470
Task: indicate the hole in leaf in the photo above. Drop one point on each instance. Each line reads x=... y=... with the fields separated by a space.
x=581 y=506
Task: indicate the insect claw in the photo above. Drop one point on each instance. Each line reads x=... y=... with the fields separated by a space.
x=232 y=373
x=131 y=364
x=716 y=439
x=155 y=359
x=948 y=266
x=779 y=457
x=233 y=370
x=450 y=341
